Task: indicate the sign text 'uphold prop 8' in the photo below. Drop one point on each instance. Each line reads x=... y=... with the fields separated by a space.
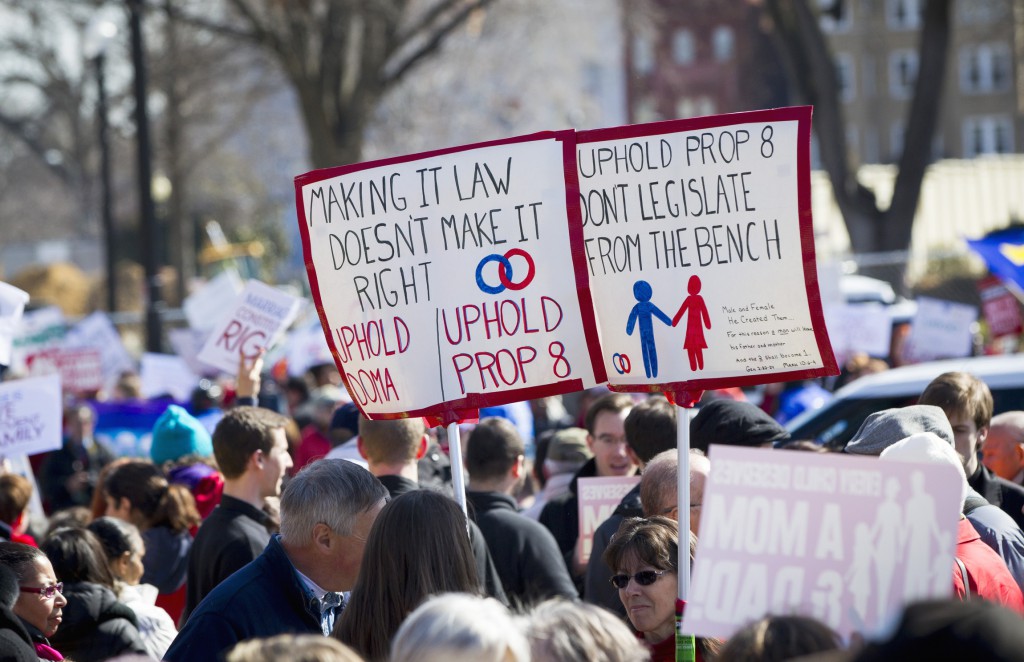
x=452 y=280
x=699 y=239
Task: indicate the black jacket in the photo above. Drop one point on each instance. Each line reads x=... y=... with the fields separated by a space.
x=96 y=626
x=524 y=552
x=999 y=492
x=232 y=536
x=485 y=570
x=15 y=642
x=165 y=564
x=598 y=588
x=562 y=518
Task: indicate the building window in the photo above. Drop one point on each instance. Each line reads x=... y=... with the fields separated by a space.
x=723 y=43
x=684 y=47
x=896 y=132
x=845 y=74
x=646 y=111
x=987 y=135
x=903 y=14
x=868 y=65
x=643 y=54
x=695 y=107
x=835 y=15
x=902 y=73
x=871 y=149
x=985 y=68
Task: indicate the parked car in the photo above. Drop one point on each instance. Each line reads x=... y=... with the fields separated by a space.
x=835 y=423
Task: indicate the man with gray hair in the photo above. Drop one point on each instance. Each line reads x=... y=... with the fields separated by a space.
x=659 y=487
x=296 y=585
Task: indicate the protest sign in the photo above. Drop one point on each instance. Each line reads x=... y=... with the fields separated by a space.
x=1000 y=308
x=847 y=540
x=30 y=415
x=698 y=236
x=306 y=347
x=164 y=375
x=941 y=330
x=452 y=280
x=204 y=308
x=80 y=368
x=256 y=320
x=597 y=499
x=859 y=327
x=39 y=330
x=186 y=343
x=97 y=332
x=12 y=305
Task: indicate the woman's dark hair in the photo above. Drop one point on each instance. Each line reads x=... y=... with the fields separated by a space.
x=776 y=638
x=77 y=556
x=117 y=537
x=651 y=540
x=418 y=547
x=157 y=502
x=19 y=557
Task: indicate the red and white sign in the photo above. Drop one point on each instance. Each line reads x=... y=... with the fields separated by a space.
x=698 y=236
x=80 y=368
x=1000 y=308
x=452 y=280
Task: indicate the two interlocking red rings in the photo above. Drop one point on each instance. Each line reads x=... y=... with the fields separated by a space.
x=505 y=272
x=621 y=363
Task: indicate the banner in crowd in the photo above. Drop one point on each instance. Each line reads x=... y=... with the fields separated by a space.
x=97 y=332
x=80 y=368
x=452 y=280
x=30 y=415
x=698 y=237
x=847 y=540
x=941 y=330
x=596 y=500
x=127 y=427
x=257 y=319
x=12 y=305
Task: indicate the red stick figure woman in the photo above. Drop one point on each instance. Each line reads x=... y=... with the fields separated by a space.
x=694 y=343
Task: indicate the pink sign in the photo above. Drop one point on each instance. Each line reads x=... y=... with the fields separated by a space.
x=598 y=498
x=80 y=369
x=847 y=540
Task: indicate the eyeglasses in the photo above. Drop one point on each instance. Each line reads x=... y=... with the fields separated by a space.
x=643 y=578
x=46 y=591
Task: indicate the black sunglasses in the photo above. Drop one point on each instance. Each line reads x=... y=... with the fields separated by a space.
x=643 y=578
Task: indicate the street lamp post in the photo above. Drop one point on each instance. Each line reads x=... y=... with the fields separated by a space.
x=147 y=212
x=98 y=36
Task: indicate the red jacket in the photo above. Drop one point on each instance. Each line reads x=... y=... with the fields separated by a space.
x=987 y=575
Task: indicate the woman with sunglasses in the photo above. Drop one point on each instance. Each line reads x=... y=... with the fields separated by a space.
x=40 y=603
x=644 y=558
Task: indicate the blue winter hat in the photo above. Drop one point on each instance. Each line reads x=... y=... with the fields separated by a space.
x=177 y=434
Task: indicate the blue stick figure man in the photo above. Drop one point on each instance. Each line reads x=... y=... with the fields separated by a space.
x=642 y=312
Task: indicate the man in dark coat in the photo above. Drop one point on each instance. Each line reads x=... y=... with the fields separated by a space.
x=524 y=552
x=251 y=449
x=297 y=584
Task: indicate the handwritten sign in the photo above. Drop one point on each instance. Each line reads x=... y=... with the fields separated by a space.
x=447 y=281
x=597 y=500
x=847 y=540
x=258 y=319
x=698 y=237
x=941 y=330
x=80 y=368
x=30 y=415
x=205 y=307
x=12 y=305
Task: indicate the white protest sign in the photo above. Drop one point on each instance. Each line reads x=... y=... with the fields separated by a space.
x=205 y=307
x=847 y=540
x=98 y=332
x=30 y=415
x=166 y=374
x=256 y=319
x=448 y=281
x=307 y=347
x=12 y=305
x=186 y=343
x=859 y=327
x=597 y=499
x=941 y=330
x=699 y=240
x=39 y=330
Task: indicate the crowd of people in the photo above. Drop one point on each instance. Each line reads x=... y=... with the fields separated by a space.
x=293 y=528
